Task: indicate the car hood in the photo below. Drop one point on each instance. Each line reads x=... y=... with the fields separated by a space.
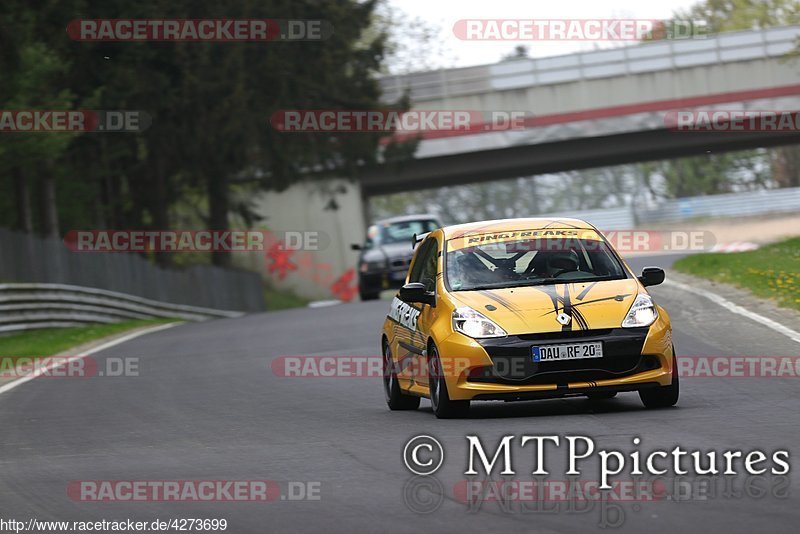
x=533 y=309
x=390 y=251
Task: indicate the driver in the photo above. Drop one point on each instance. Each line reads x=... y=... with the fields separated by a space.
x=561 y=261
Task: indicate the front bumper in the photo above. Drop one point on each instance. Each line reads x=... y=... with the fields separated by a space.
x=378 y=281
x=502 y=368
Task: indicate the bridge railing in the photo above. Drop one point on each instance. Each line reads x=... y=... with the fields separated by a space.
x=640 y=58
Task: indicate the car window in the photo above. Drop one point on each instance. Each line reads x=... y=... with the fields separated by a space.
x=402 y=232
x=373 y=236
x=531 y=262
x=424 y=266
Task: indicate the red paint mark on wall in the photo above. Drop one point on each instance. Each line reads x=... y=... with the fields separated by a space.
x=279 y=260
x=343 y=288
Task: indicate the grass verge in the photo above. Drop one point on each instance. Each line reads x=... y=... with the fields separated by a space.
x=276 y=299
x=50 y=341
x=772 y=271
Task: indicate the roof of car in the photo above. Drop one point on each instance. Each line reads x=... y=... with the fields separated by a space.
x=406 y=218
x=506 y=225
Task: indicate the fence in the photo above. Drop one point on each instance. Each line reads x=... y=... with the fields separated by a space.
x=26 y=258
x=744 y=204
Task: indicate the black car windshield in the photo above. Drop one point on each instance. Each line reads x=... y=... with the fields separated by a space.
x=398 y=232
x=531 y=262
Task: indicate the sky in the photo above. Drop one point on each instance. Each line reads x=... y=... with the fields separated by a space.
x=452 y=52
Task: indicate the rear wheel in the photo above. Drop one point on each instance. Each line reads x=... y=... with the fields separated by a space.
x=443 y=407
x=663 y=396
x=395 y=398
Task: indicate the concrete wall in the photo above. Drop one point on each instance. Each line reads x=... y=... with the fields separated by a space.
x=331 y=211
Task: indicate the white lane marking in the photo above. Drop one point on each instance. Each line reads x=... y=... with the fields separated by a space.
x=64 y=361
x=735 y=308
x=323 y=303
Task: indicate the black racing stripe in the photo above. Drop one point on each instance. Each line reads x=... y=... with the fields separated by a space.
x=583 y=293
x=592 y=301
x=567 y=309
x=464 y=233
x=579 y=318
x=503 y=302
x=562 y=225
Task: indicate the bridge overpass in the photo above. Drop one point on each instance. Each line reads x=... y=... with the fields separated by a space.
x=596 y=108
x=590 y=109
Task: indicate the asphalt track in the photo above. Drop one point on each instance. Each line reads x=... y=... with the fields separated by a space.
x=206 y=405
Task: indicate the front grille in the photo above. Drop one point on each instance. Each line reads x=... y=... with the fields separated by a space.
x=565 y=335
x=401 y=263
x=513 y=363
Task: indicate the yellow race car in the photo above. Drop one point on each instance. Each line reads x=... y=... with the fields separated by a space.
x=522 y=309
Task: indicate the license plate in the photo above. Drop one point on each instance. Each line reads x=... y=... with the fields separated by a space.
x=568 y=351
x=399 y=275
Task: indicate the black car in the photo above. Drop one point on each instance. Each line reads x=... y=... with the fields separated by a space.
x=386 y=253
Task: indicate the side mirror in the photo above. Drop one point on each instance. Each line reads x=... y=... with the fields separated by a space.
x=416 y=292
x=652 y=276
x=356 y=246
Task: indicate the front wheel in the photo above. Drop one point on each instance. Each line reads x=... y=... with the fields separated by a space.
x=443 y=407
x=369 y=295
x=395 y=398
x=663 y=396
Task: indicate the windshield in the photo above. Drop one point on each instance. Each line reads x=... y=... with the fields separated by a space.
x=398 y=232
x=531 y=262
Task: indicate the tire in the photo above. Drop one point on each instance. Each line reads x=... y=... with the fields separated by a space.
x=395 y=398
x=663 y=396
x=602 y=395
x=365 y=295
x=443 y=407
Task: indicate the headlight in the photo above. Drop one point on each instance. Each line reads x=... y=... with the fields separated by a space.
x=473 y=324
x=642 y=313
x=371 y=266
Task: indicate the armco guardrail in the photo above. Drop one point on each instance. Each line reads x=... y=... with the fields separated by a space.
x=26 y=258
x=743 y=204
x=31 y=306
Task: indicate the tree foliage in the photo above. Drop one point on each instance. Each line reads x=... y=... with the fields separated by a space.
x=210 y=104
